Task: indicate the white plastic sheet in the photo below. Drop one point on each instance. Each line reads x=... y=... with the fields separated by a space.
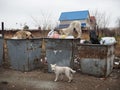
x=108 y=40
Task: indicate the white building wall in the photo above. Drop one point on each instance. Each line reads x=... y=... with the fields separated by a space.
x=82 y=21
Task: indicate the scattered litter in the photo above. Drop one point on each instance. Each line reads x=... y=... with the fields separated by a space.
x=102 y=78
x=0 y=35
x=25 y=72
x=13 y=85
x=54 y=34
x=116 y=63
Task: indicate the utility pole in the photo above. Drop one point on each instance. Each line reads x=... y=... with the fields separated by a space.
x=2 y=29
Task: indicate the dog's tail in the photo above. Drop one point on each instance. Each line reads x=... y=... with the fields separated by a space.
x=73 y=71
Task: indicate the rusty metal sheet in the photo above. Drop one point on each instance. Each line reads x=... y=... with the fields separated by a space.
x=24 y=54
x=96 y=60
x=93 y=51
x=60 y=51
x=1 y=50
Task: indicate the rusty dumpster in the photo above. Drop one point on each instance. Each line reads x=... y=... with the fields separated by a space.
x=1 y=50
x=96 y=59
x=60 y=51
x=24 y=54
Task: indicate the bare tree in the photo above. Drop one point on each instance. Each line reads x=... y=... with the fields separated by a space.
x=118 y=22
x=105 y=20
x=46 y=20
x=102 y=19
x=117 y=31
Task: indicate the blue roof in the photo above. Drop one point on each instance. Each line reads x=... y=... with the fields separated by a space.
x=74 y=15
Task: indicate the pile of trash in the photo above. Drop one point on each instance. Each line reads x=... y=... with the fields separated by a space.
x=93 y=38
x=55 y=34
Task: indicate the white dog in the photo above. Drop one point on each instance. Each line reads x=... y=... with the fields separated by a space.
x=59 y=70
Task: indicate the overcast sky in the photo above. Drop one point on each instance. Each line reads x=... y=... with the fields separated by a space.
x=16 y=13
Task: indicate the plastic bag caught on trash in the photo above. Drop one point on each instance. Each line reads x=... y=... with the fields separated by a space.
x=108 y=40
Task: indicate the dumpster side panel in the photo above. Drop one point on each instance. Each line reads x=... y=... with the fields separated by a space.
x=58 y=51
x=110 y=59
x=34 y=53
x=1 y=51
x=24 y=54
x=96 y=59
x=17 y=54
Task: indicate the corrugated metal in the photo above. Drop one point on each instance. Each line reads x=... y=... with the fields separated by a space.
x=96 y=59
x=60 y=51
x=1 y=50
x=23 y=54
x=74 y=15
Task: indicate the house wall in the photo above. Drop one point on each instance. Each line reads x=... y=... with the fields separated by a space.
x=87 y=21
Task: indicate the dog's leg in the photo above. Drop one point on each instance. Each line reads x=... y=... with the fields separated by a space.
x=70 y=79
x=61 y=77
x=56 y=78
x=69 y=76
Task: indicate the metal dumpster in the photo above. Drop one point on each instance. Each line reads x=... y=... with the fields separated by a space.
x=96 y=59
x=24 y=54
x=1 y=50
x=60 y=51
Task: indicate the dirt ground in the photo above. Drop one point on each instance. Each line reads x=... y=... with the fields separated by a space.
x=38 y=80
